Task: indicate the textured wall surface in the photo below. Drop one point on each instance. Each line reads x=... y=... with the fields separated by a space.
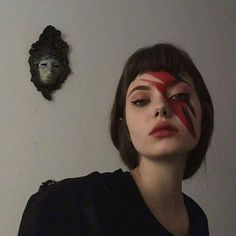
x=69 y=137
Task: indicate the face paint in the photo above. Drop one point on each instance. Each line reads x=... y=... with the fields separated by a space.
x=181 y=108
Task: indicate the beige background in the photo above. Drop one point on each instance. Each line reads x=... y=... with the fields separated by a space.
x=69 y=137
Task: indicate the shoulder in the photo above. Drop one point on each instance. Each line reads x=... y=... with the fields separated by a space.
x=92 y=183
x=193 y=206
x=58 y=202
x=53 y=192
x=198 y=218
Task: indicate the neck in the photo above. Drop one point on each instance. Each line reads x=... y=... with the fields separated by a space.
x=160 y=182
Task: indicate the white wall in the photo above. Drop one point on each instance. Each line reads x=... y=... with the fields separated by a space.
x=69 y=137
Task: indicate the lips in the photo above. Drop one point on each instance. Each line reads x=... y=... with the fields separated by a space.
x=163 y=130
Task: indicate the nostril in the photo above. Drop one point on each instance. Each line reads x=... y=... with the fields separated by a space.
x=162 y=112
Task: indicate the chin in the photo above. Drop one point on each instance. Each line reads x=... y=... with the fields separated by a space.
x=168 y=152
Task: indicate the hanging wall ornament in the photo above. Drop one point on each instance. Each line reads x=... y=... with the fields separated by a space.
x=49 y=65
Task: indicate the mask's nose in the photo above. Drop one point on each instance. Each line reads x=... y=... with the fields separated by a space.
x=49 y=69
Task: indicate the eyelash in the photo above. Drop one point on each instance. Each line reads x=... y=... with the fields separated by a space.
x=179 y=97
x=140 y=102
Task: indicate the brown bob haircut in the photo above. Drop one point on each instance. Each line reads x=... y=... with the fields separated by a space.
x=160 y=57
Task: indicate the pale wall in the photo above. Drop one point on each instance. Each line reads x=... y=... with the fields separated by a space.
x=69 y=137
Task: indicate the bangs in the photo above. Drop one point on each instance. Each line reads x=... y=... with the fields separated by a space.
x=164 y=57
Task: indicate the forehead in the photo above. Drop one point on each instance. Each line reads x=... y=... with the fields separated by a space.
x=165 y=79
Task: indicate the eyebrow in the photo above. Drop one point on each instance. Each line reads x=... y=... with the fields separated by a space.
x=140 y=87
x=180 y=81
x=145 y=87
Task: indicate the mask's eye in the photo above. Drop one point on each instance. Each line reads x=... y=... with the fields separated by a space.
x=43 y=64
x=140 y=102
x=56 y=65
x=181 y=97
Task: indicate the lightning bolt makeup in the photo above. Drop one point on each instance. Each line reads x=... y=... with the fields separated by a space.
x=182 y=107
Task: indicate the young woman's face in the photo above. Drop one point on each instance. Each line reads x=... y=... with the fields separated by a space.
x=163 y=114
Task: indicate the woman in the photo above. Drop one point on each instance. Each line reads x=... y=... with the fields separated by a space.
x=161 y=123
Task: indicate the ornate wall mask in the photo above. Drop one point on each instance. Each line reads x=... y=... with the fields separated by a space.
x=49 y=65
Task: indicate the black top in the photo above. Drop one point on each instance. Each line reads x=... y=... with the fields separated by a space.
x=98 y=204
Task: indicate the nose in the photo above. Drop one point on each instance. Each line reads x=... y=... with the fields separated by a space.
x=162 y=110
x=49 y=68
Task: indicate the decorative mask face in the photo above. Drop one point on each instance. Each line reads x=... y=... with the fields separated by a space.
x=49 y=70
x=49 y=64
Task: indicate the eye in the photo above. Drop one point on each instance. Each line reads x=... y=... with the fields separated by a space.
x=140 y=102
x=182 y=97
x=43 y=64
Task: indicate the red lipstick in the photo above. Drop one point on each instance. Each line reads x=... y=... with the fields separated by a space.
x=162 y=130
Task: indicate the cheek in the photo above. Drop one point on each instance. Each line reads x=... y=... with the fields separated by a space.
x=135 y=124
x=56 y=71
x=130 y=120
x=43 y=71
x=198 y=119
x=189 y=113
